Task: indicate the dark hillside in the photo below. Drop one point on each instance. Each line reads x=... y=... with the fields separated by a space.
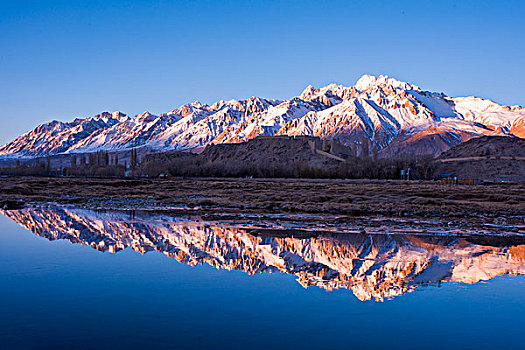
x=285 y=156
x=277 y=156
x=491 y=158
x=502 y=146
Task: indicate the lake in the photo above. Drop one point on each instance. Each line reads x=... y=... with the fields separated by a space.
x=76 y=278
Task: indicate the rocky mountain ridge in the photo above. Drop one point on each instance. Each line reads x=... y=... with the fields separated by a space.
x=395 y=116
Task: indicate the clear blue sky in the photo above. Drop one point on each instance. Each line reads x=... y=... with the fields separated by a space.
x=63 y=59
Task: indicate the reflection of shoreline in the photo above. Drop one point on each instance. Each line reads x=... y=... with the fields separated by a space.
x=373 y=266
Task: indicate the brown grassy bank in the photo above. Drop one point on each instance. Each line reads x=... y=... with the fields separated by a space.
x=346 y=197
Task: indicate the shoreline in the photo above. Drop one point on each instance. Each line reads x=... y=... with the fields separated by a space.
x=327 y=203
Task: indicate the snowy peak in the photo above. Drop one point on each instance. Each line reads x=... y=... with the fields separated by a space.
x=308 y=93
x=384 y=110
x=369 y=81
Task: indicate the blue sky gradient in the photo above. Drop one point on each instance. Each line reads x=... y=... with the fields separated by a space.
x=66 y=59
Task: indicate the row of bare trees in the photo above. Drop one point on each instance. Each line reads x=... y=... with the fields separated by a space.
x=422 y=167
x=105 y=164
x=98 y=164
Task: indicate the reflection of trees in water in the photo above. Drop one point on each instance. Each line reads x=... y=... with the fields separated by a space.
x=372 y=266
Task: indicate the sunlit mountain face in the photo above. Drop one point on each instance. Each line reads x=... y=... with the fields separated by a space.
x=395 y=116
x=373 y=266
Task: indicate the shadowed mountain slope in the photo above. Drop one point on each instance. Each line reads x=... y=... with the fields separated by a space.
x=395 y=116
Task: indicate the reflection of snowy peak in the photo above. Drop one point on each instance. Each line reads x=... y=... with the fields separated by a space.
x=394 y=115
x=372 y=266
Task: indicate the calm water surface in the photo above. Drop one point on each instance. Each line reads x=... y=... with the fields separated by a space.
x=73 y=278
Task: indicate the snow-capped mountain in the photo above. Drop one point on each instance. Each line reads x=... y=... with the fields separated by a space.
x=395 y=116
x=372 y=266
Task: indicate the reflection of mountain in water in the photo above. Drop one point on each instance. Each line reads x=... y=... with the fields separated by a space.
x=372 y=266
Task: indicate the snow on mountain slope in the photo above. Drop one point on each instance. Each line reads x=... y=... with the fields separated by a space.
x=58 y=137
x=518 y=127
x=224 y=119
x=345 y=121
x=488 y=113
x=131 y=133
x=384 y=110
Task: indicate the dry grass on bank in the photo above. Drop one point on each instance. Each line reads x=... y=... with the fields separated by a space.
x=347 y=197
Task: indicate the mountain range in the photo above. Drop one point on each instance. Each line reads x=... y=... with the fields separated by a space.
x=395 y=116
x=373 y=266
